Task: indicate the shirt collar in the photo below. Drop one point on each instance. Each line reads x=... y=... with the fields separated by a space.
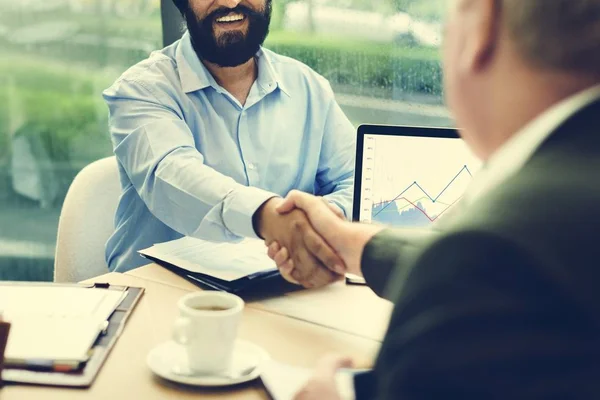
x=268 y=79
x=511 y=157
x=194 y=75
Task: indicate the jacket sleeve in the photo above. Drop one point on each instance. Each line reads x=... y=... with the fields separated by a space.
x=480 y=318
x=387 y=256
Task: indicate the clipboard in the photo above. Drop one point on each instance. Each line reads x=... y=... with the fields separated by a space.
x=86 y=373
x=253 y=287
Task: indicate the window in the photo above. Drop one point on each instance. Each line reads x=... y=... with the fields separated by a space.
x=56 y=57
x=381 y=56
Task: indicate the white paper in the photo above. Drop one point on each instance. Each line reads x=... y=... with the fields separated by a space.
x=284 y=381
x=49 y=338
x=222 y=260
x=55 y=322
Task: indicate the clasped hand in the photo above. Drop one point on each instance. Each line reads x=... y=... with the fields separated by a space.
x=302 y=255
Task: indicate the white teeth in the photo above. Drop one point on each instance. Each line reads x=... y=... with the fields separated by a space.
x=231 y=18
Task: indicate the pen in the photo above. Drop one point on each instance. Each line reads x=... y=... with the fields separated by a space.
x=44 y=365
x=104 y=328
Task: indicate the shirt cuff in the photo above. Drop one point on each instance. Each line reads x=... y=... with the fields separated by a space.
x=336 y=205
x=239 y=208
x=332 y=200
x=344 y=382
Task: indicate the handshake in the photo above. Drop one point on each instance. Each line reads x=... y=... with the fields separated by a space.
x=310 y=240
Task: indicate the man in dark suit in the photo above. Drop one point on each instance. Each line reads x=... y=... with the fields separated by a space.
x=502 y=299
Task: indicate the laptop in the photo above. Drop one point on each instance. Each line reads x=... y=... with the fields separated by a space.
x=409 y=177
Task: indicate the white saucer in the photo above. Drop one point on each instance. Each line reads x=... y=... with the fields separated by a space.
x=165 y=359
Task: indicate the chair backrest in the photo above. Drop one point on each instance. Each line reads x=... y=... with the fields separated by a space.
x=87 y=221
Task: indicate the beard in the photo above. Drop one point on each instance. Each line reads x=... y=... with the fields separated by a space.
x=233 y=48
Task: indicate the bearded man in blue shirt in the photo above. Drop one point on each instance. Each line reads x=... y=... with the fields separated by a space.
x=211 y=131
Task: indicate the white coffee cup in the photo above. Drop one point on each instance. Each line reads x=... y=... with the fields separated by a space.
x=207 y=328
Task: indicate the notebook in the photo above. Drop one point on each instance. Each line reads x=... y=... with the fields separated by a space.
x=61 y=334
x=54 y=323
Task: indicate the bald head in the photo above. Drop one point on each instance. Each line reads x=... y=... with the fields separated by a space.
x=508 y=61
x=562 y=35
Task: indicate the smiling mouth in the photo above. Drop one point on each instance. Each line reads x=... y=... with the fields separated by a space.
x=231 y=18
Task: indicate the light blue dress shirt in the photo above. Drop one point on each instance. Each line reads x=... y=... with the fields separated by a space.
x=194 y=161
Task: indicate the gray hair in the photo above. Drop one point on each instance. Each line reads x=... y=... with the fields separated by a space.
x=556 y=34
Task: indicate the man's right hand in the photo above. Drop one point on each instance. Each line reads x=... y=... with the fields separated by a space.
x=312 y=262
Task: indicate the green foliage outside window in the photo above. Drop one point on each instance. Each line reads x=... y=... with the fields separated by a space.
x=362 y=66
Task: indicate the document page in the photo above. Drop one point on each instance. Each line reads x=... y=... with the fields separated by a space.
x=284 y=381
x=223 y=260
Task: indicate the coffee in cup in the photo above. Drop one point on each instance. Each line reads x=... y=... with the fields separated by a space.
x=207 y=327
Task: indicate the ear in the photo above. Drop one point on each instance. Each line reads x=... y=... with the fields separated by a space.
x=482 y=24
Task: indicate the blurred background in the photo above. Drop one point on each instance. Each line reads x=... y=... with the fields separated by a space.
x=57 y=56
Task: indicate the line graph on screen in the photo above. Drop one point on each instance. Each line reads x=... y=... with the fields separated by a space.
x=417 y=212
x=413 y=182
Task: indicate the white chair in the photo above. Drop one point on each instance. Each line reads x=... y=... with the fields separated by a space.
x=86 y=222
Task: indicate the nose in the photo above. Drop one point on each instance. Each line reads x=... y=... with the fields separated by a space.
x=230 y=3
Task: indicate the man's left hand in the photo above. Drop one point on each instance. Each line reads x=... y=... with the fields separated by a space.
x=322 y=385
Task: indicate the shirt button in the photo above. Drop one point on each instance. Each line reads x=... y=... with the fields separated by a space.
x=252 y=166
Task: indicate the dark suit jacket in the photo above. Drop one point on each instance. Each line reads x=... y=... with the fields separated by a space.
x=505 y=304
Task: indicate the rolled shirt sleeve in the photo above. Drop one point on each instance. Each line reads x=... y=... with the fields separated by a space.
x=156 y=148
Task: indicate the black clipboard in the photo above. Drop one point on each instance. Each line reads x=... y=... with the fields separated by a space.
x=85 y=375
x=253 y=287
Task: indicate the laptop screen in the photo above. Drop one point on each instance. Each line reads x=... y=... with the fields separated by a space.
x=411 y=180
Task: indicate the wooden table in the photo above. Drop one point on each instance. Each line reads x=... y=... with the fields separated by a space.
x=287 y=338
